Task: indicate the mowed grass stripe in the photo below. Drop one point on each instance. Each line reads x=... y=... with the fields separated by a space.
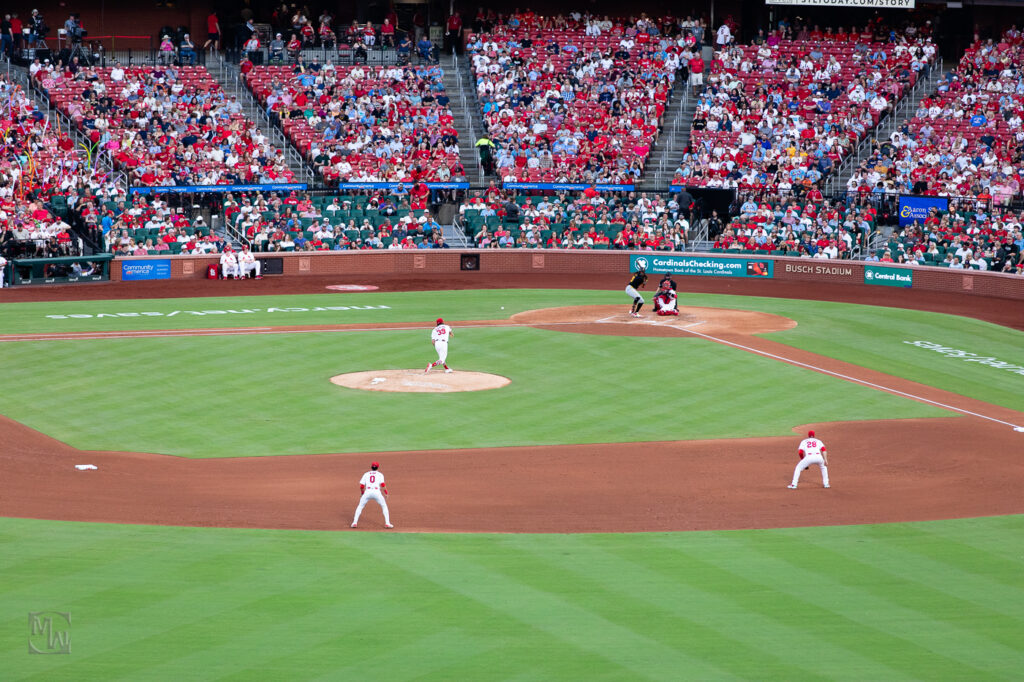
x=558 y=614
x=960 y=626
x=245 y=396
x=161 y=603
x=845 y=618
x=894 y=615
x=653 y=592
x=945 y=566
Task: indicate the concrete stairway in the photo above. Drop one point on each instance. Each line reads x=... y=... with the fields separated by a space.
x=668 y=151
x=458 y=84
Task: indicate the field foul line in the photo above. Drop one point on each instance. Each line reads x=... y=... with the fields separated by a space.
x=1016 y=427
x=239 y=331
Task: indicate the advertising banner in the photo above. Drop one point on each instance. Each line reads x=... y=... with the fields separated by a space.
x=888 y=277
x=214 y=189
x=135 y=270
x=392 y=186
x=706 y=266
x=887 y=4
x=916 y=208
x=565 y=186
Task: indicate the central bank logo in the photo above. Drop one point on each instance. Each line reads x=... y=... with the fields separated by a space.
x=49 y=632
x=641 y=263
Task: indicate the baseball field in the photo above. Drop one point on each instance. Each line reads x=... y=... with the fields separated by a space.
x=616 y=510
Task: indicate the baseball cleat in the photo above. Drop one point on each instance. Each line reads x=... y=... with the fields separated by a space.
x=828 y=486
x=354 y=525
x=791 y=486
x=388 y=525
x=447 y=370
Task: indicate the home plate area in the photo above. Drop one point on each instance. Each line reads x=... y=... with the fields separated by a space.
x=418 y=381
x=615 y=319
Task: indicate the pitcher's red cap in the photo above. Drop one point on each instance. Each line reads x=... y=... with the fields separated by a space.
x=810 y=434
x=440 y=321
x=374 y=465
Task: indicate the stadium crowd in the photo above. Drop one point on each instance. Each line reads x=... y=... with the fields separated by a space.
x=966 y=139
x=499 y=218
x=299 y=222
x=577 y=98
x=815 y=229
x=163 y=125
x=782 y=113
x=42 y=174
x=365 y=124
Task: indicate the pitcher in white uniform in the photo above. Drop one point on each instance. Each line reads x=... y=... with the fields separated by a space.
x=811 y=451
x=439 y=337
x=372 y=487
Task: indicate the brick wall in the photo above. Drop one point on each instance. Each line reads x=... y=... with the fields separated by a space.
x=525 y=261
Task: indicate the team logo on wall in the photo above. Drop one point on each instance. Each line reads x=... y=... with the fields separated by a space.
x=641 y=263
x=352 y=287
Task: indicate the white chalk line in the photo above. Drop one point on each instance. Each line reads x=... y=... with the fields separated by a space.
x=233 y=331
x=840 y=375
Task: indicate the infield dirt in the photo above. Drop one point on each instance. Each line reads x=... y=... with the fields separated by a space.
x=894 y=470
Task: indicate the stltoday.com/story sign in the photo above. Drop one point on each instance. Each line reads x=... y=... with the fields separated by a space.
x=705 y=266
x=888 y=277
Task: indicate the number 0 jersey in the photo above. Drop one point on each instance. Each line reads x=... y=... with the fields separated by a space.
x=372 y=480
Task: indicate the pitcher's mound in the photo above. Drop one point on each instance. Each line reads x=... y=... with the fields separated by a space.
x=416 y=381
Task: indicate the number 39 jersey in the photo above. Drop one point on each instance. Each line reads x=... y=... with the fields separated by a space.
x=372 y=480
x=441 y=332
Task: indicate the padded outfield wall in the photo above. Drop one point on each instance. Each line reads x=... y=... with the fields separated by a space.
x=883 y=277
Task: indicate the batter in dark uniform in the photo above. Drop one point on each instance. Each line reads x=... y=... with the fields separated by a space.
x=638 y=281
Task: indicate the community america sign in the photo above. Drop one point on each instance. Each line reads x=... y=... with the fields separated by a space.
x=891 y=4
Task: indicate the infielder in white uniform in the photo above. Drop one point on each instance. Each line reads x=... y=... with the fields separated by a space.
x=371 y=486
x=439 y=337
x=248 y=263
x=811 y=451
x=3 y=265
x=228 y=264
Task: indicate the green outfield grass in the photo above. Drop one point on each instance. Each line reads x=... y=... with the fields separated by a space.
x=270 y=394
x=936 y=601
x=870 y=336
x=307 y=309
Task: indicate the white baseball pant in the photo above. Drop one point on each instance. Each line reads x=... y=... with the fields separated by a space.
x=810 y=460
x=442 y=351
x=379 y=498
x=246 y=268
x=229 y=269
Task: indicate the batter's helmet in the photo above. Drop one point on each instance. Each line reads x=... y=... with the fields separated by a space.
x=440 y=321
